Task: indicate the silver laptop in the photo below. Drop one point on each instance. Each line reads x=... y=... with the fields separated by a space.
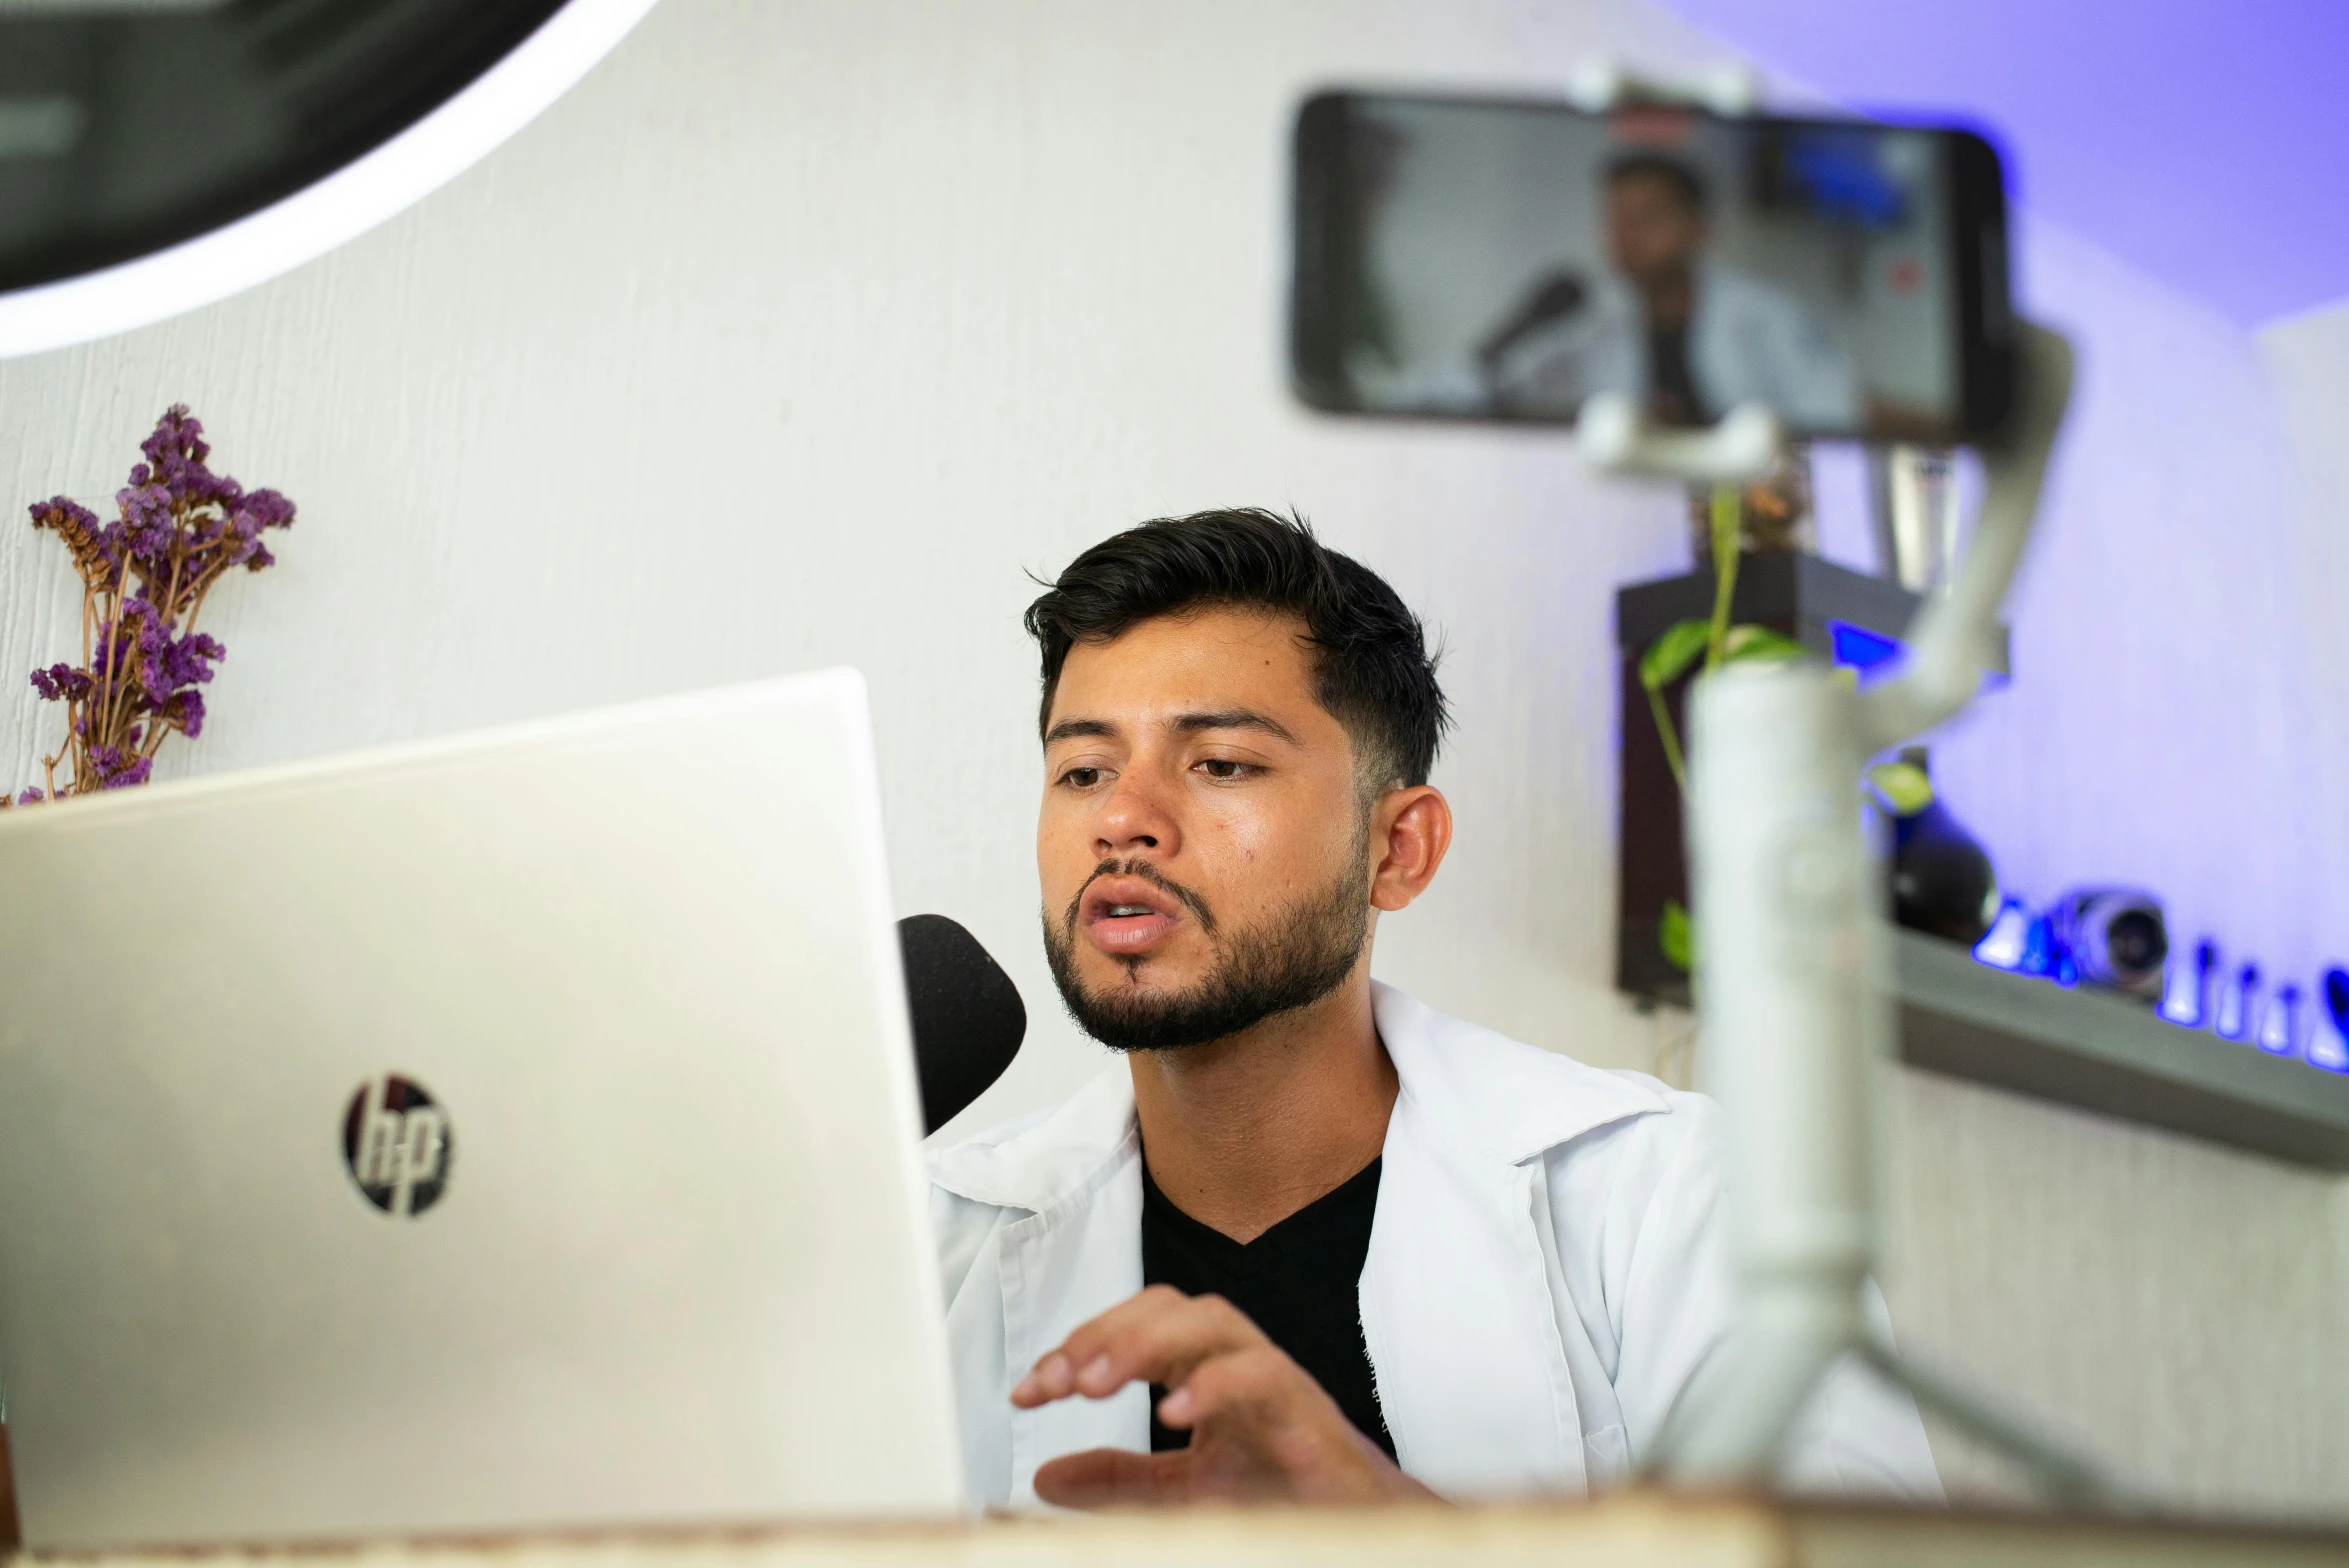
x=506 y=1131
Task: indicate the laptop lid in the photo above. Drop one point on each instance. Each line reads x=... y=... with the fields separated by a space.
x=511 y=1130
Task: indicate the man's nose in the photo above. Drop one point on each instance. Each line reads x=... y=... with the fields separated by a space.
x=1134 y=817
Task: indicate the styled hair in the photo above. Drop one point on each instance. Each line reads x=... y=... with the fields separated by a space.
x=1657 y=166
x=1372 y=670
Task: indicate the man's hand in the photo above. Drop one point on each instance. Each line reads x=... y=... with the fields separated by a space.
x=1261 y=1429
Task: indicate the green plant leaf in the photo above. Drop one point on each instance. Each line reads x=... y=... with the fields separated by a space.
x=1902 y=786
x=1676 y=935
x=1759 y=642
x=1670 y=655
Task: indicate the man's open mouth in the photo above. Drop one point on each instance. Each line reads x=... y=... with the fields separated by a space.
x=1125 y=916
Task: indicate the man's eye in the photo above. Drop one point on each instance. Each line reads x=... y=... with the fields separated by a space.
x=1226 y=768
x=1081 y=778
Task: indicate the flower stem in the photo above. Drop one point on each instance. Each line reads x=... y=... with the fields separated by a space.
x=1669 y=735
x=1727 y=512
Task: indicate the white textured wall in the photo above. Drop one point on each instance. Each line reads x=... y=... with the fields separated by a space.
x=800 y=332
x=2308 y=358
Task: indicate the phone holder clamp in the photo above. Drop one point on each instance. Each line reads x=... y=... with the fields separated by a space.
x=1616 y=437
x=1600 y=86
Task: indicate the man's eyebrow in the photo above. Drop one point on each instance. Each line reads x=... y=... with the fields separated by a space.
x=1234 y=719
x=1077 y=729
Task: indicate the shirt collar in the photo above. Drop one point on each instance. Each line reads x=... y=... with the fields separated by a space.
x=1484 y=1091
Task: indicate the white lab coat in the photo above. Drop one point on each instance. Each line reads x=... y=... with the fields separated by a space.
x=1546 y=1275
x=1748 y=342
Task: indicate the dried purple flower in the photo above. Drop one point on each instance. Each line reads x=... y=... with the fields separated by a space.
x=178 y=528
x=61 y=683
x=188 y=660
x=95 y=556
x=184 y=712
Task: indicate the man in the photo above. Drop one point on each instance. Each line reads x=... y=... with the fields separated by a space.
x=1685 y=335
x=1308 y=1239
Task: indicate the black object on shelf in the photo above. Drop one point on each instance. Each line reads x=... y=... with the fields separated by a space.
x=1942 y=880
x=1809 y=599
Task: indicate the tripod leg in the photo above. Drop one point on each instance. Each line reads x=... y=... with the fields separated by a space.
x=2068 y=1478
x=1733 y=1429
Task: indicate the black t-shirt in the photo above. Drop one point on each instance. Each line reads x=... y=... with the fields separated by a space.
x=1672 y=389
x=1299 y=1282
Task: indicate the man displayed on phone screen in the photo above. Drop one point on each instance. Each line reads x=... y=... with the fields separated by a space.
x=1682 y=332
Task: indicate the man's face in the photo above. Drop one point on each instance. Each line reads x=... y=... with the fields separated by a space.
x=1202 y=845
x=1653 y=229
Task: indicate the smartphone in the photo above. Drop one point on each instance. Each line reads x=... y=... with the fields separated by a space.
x=1505 y=259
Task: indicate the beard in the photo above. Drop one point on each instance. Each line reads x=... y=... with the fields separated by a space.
x=1291 y=959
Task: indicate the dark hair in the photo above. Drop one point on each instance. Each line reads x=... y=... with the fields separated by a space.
x=1655 y=165
x=1372 y=672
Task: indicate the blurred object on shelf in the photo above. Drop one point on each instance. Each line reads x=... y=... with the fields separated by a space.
x=1774 y=511
x=1942 y=880
x=1912 y=494
x=2328 y=1040
x=2238 y=1000
x=2279 y=1023
x=2116 y=936
x=2186 y=996
x=2003 y=945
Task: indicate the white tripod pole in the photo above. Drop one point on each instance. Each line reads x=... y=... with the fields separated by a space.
x=1793 y=963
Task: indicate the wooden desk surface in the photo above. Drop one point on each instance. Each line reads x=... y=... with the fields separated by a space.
x=1629 y=1531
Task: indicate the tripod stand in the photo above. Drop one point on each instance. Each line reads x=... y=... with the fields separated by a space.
x=1794 y=1002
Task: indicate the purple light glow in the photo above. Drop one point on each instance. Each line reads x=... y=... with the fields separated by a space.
x=2201 y=142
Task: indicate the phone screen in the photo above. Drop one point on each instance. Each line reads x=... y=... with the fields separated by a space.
x=1488 y=259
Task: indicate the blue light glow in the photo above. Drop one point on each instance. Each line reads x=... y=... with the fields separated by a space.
x=2043 y=954
x=1861 y=649
x=1840 y=173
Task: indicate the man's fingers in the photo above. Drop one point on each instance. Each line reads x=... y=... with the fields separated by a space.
x=1160 y=1342
x=1157 y=1335
x=1114 y=1478
x=1259 y=1380
x=1268 y=1416
x=1055 y=1376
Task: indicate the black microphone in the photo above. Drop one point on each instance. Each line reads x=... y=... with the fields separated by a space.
x=967 y=1017
x=1556 y=297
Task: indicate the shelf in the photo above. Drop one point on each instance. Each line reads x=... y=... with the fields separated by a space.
x=2113 y=1056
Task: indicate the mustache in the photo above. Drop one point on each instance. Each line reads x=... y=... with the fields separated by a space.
x=1141 y=871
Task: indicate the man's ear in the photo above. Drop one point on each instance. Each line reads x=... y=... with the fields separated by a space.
x=1410 y=829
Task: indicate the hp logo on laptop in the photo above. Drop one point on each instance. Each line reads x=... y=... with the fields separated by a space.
x=396 y=1143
